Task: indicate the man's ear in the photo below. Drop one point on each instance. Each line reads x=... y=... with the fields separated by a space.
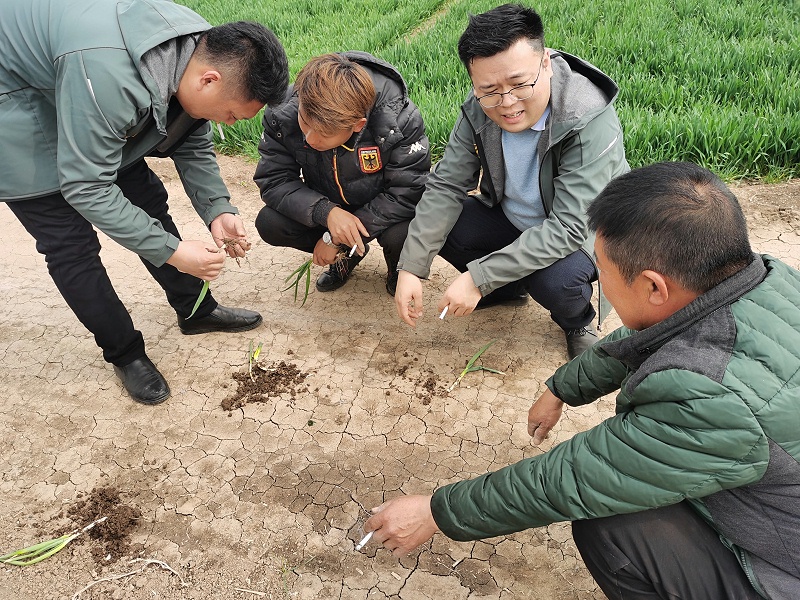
x=658 y=290
x=359 y=124
x=209 y=77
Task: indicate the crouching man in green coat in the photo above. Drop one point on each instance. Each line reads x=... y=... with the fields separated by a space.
x=88 y=88
x=692 y=490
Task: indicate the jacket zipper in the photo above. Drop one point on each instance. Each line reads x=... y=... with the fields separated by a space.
x=336 y=177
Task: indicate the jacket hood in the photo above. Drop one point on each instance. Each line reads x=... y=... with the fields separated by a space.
x=578 y=91
x=382 y=74
x=391 y=97
x=145 y=24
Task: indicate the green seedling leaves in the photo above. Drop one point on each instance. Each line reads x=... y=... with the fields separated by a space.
x=203 y=292
x=296 y=277
x=472 y=367
x=38 y=552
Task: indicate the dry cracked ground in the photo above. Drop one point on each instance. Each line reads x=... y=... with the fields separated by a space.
x=267 y=500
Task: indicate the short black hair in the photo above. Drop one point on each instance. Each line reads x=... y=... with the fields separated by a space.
x=497 y=30
x=675 y=218
x=255 y=57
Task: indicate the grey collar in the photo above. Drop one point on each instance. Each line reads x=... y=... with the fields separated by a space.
x=635 y=349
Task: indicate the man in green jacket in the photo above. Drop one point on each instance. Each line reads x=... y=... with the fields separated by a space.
x=539 y=135
x=88 y=88
x=692 y=490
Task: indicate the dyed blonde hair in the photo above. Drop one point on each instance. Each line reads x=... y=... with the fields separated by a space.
x=334 y=92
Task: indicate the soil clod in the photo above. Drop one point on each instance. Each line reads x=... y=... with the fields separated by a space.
x=265 y=383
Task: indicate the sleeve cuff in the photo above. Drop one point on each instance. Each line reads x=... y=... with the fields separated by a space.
x=321 y=211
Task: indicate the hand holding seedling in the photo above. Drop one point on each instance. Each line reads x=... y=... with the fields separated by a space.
x=402 y=524
x=461 y=296
x=324 y=254
x=543 y=416
x=228 y=233
x=408 y=297
x=346 y=229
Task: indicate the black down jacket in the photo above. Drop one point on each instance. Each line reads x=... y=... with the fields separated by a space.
x=378 y=175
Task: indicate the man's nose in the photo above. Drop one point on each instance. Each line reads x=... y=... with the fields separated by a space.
x=509 y=99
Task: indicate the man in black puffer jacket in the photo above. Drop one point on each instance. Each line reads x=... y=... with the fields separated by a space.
x=343 y=161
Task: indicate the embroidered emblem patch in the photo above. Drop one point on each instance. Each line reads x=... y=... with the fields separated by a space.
x=416 y=147
x=370 y=159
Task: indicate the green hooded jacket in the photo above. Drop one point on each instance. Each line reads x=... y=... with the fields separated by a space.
x=75 y=109
x=580 y=151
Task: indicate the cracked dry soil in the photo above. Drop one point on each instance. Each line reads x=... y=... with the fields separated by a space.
x=261 y=491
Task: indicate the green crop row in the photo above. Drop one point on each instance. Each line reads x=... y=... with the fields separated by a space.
x=711 y=81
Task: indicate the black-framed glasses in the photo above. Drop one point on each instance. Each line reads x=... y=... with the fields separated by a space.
x=518 y=92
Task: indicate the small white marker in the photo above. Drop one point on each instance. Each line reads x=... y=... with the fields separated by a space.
x=352 y=251
x=364 y=541
x=444 y=312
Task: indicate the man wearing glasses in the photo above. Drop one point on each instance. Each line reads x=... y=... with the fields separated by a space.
x=539 y=134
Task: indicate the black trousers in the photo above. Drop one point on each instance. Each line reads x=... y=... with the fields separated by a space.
x=564 y=288
x=667 y=553
x=279 y=230
x=72 y=253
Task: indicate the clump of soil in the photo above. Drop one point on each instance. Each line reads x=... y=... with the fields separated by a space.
x=426 y=382
x=430 y=390
x=114 y=533
x=266 y=383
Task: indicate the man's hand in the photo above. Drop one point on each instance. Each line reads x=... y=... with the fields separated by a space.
x=228 y=232
x=408 y=297
x=402 y=524
x=346 y=229
x=461 y=297
x=543 y=416
x=324 y=254
x=197 y=258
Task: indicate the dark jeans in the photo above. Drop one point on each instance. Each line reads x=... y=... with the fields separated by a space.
x=665 y=553
x=72 y=253
x=279 y=230
x=564 y=288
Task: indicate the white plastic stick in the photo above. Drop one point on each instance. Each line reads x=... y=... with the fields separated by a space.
x=361 y=544
x=352 y=251
x=444 y=312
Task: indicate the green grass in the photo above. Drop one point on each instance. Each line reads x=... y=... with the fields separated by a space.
x=710 y=82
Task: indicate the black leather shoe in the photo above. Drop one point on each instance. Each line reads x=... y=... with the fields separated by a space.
x=143 y=381
x=519 y=299
x=221 y=318
x=339 y=272
x=579 y=340
x=391 y=283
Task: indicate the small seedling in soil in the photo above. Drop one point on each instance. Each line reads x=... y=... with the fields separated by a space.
x=266 y=382
x=38 y=552
x=252 y=357
x=471 y=366
x=226 y=243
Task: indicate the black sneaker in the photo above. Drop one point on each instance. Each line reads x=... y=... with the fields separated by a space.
x=579 y=340
x=339 y=272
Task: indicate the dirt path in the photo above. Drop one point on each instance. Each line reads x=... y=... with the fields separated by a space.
x=267 y=500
